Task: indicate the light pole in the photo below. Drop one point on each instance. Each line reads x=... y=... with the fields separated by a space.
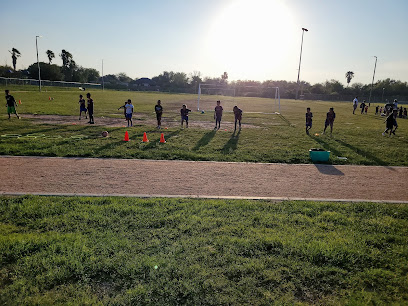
x=103 y=83
x=372 y=82
x=300 y=60
x=38 y=63
x=382 y=98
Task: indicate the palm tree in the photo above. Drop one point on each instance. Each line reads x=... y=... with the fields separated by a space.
x=349 y=76
x=50 y=56
x=14 y=54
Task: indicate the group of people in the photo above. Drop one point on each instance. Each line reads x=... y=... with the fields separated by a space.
x=330 y=116
x=390 y=110
x=363 y=106
x=218 y=110
x=87 y=109
x=184 y=112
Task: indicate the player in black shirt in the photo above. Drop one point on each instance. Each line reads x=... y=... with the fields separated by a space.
x=11 y=104
x=90 y=108
x=159 y=111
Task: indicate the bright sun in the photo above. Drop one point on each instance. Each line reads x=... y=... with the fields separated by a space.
x=250 y=37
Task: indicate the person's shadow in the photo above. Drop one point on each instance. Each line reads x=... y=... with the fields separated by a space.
x=328 y=169
x=205 y=140
x=232 y=143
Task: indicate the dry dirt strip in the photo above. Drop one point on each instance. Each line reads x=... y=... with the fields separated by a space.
x=158 y=178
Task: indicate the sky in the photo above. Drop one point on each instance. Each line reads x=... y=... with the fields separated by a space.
x=249 y=39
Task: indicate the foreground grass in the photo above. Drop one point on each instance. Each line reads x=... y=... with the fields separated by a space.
x=264 y=138
x=173 y=251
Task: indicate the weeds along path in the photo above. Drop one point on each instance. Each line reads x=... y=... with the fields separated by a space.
x=114 y=177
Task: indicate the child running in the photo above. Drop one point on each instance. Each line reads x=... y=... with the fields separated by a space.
x=184 y=115
x=218 y=114
x=309 y=116
x=90 y=108
x=238 y=116
x=159 y=112
x=330 y=116
x=82 y=107
x=11 y=104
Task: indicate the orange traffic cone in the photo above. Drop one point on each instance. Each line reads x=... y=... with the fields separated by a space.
x=145 y=137
x=162 y=138
x=19 y=101
x=126 y=136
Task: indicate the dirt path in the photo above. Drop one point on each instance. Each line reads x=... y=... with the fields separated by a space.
x=118 y=121
x=87 y=176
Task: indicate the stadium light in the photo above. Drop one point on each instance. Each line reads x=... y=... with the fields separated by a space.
x=38 y=63
x=382 y=98
x=103 y=83
x=372 y=82
x=300 y=60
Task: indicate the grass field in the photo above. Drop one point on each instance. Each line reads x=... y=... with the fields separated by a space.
x=169 y=251
x=264 y=138
x=76 y=250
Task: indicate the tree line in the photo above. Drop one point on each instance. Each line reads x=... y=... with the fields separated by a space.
x=69 y=71
x=171 y=81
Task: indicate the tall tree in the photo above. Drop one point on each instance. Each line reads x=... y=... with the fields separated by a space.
x=195 y=79
x=349 y=76
x=14 y=54
x=67 y=59
x=68 y=65
x=50 y=56
x=224 y=77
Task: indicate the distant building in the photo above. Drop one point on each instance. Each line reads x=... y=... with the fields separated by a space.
x=146 y=82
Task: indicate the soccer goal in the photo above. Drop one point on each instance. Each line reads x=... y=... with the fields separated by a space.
x=247 y=92
x=211 y=89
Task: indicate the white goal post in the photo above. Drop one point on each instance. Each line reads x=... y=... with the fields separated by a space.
x=211 y=89
x=214 y=90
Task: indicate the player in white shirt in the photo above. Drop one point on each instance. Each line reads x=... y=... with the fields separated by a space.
x=129 y=112
x=355 y=104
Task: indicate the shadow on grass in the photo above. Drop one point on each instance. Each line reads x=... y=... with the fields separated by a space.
x=365 y=154
x=328 y=169
x=325 y=145
x=231 y=144
x=205 y=140
x=284 y=119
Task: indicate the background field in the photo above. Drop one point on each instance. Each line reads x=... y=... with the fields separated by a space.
x=172 y=251
x=265 y=137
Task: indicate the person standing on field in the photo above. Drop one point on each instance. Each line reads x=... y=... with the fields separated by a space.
x=355 y=104
x=11 y=104
x=90 y=108
x=218 y=114
x=184 y=115
x=159 y=112
x=309 y=120
x=82 y=107
x=129 y=112
x=238 y=116
x=362 y=105
x=330 y=116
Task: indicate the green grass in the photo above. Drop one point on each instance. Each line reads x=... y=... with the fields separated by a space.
x=271 y=138
x=79 y=250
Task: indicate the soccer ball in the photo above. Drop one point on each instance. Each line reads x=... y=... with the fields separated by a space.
x=105 y=134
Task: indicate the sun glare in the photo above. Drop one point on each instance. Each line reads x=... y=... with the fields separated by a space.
x=250 y=37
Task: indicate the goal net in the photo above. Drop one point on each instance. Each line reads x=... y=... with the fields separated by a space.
x=218 y=93
x=241 y=95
